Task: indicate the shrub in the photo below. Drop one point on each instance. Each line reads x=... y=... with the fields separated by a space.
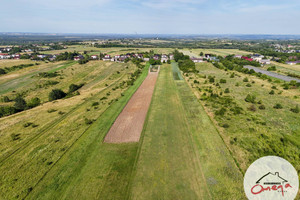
x=74 y=87
x=222 y=81
x=271 y=92
x=95 y=104
x=195 y=81
x=296 y=109
x=250 y=98
x=61 y=113
x=220 y=112
x=225 y=125
x=262 y=107
x=278 y=106
x=56 y=94
x=274 y=87
x=20 y=104
x=27 y=124
x=232 y=75
x=226 y=90
x=5 y=99
x=248 y=85
x=252 y=108
x=2 y=71
x=88 y=121
x=211 y=79
x=15 y=136
x=51 y=110
x=34 y=102
x=237 y=84
x=245 y=79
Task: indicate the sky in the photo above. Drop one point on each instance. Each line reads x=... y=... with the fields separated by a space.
x=151 y=16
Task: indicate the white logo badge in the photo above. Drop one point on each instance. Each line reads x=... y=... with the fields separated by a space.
x=271 y=178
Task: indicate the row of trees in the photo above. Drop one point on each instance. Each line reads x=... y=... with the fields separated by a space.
x=185 y=64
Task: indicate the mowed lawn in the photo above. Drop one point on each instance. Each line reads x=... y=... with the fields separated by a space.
x=181 y=155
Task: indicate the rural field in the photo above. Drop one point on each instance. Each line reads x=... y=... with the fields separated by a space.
x=130 y=131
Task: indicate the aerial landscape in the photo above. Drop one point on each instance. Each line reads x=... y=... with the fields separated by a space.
x=135 y=111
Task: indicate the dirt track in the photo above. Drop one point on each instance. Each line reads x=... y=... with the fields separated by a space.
x=129 y=124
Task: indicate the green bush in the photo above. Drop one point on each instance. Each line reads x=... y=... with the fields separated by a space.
x=226 y=90
x=56 y=94
x=271 y=92
x=262 y=107
x=278 y=106
x=74 y=87
x=296 y=109
x=222 y=81
x=248 y=85
x=252 y=108
x=245 y=79
x=95 y=104
x=250 y=98
x=34 y=102
x=221 y=112
x=15 y=137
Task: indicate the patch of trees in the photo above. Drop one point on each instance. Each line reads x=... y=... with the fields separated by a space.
x=154 y=62
x=48 y=74
x=56 y=94
x=19 y=105
x=15 y=67
x=67 y=56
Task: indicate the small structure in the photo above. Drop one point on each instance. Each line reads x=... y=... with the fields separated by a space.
x=196 y=60
x=164 y=58
x=80 y=57
x=293 y=62
x=94 y=57
x=246 y=58
x=106 y=58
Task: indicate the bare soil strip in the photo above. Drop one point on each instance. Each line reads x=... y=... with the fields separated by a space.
x=129 y=124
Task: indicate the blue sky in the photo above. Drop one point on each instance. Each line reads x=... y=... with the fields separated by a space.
x=151 y=16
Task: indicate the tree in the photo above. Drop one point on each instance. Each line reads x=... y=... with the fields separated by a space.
x=20 y=103
x=186 y=65
x=34 y=102
x=201 y=53
x=56 y=94
x=2 y=71
x=296 y=109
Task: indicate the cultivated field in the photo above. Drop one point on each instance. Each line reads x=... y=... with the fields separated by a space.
x=129 y=124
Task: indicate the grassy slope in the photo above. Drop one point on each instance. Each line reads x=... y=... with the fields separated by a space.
x=101 y=169
x=247 y=136
x=182 y=155
x=220 y=52
x=55 y=136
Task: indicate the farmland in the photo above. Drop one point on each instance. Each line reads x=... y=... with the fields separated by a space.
x=201 y=132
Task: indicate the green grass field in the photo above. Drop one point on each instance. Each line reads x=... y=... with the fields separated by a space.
x=181 y=155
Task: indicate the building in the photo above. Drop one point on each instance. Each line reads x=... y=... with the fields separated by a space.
x=196 y=60
x=94 y=57
x=246 y=58
x=80 y=57
x=106 y=58
x=265 y=62
x=292 y=62
x=238 y=56
x=171 y=57
x=4 y=56
x=146 y=59
x=164 y=58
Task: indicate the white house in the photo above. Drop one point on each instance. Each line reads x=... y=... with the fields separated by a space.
x=197 y=60
x=146 y=59
x=106 y=58
x=164 y=58
x=94 y=57
x=265 y=62
x=4 y=56
x=238 y=56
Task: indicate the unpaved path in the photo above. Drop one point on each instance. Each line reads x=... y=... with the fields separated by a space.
x=129 y=124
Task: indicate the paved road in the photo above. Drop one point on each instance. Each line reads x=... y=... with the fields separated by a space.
x=273 y=74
